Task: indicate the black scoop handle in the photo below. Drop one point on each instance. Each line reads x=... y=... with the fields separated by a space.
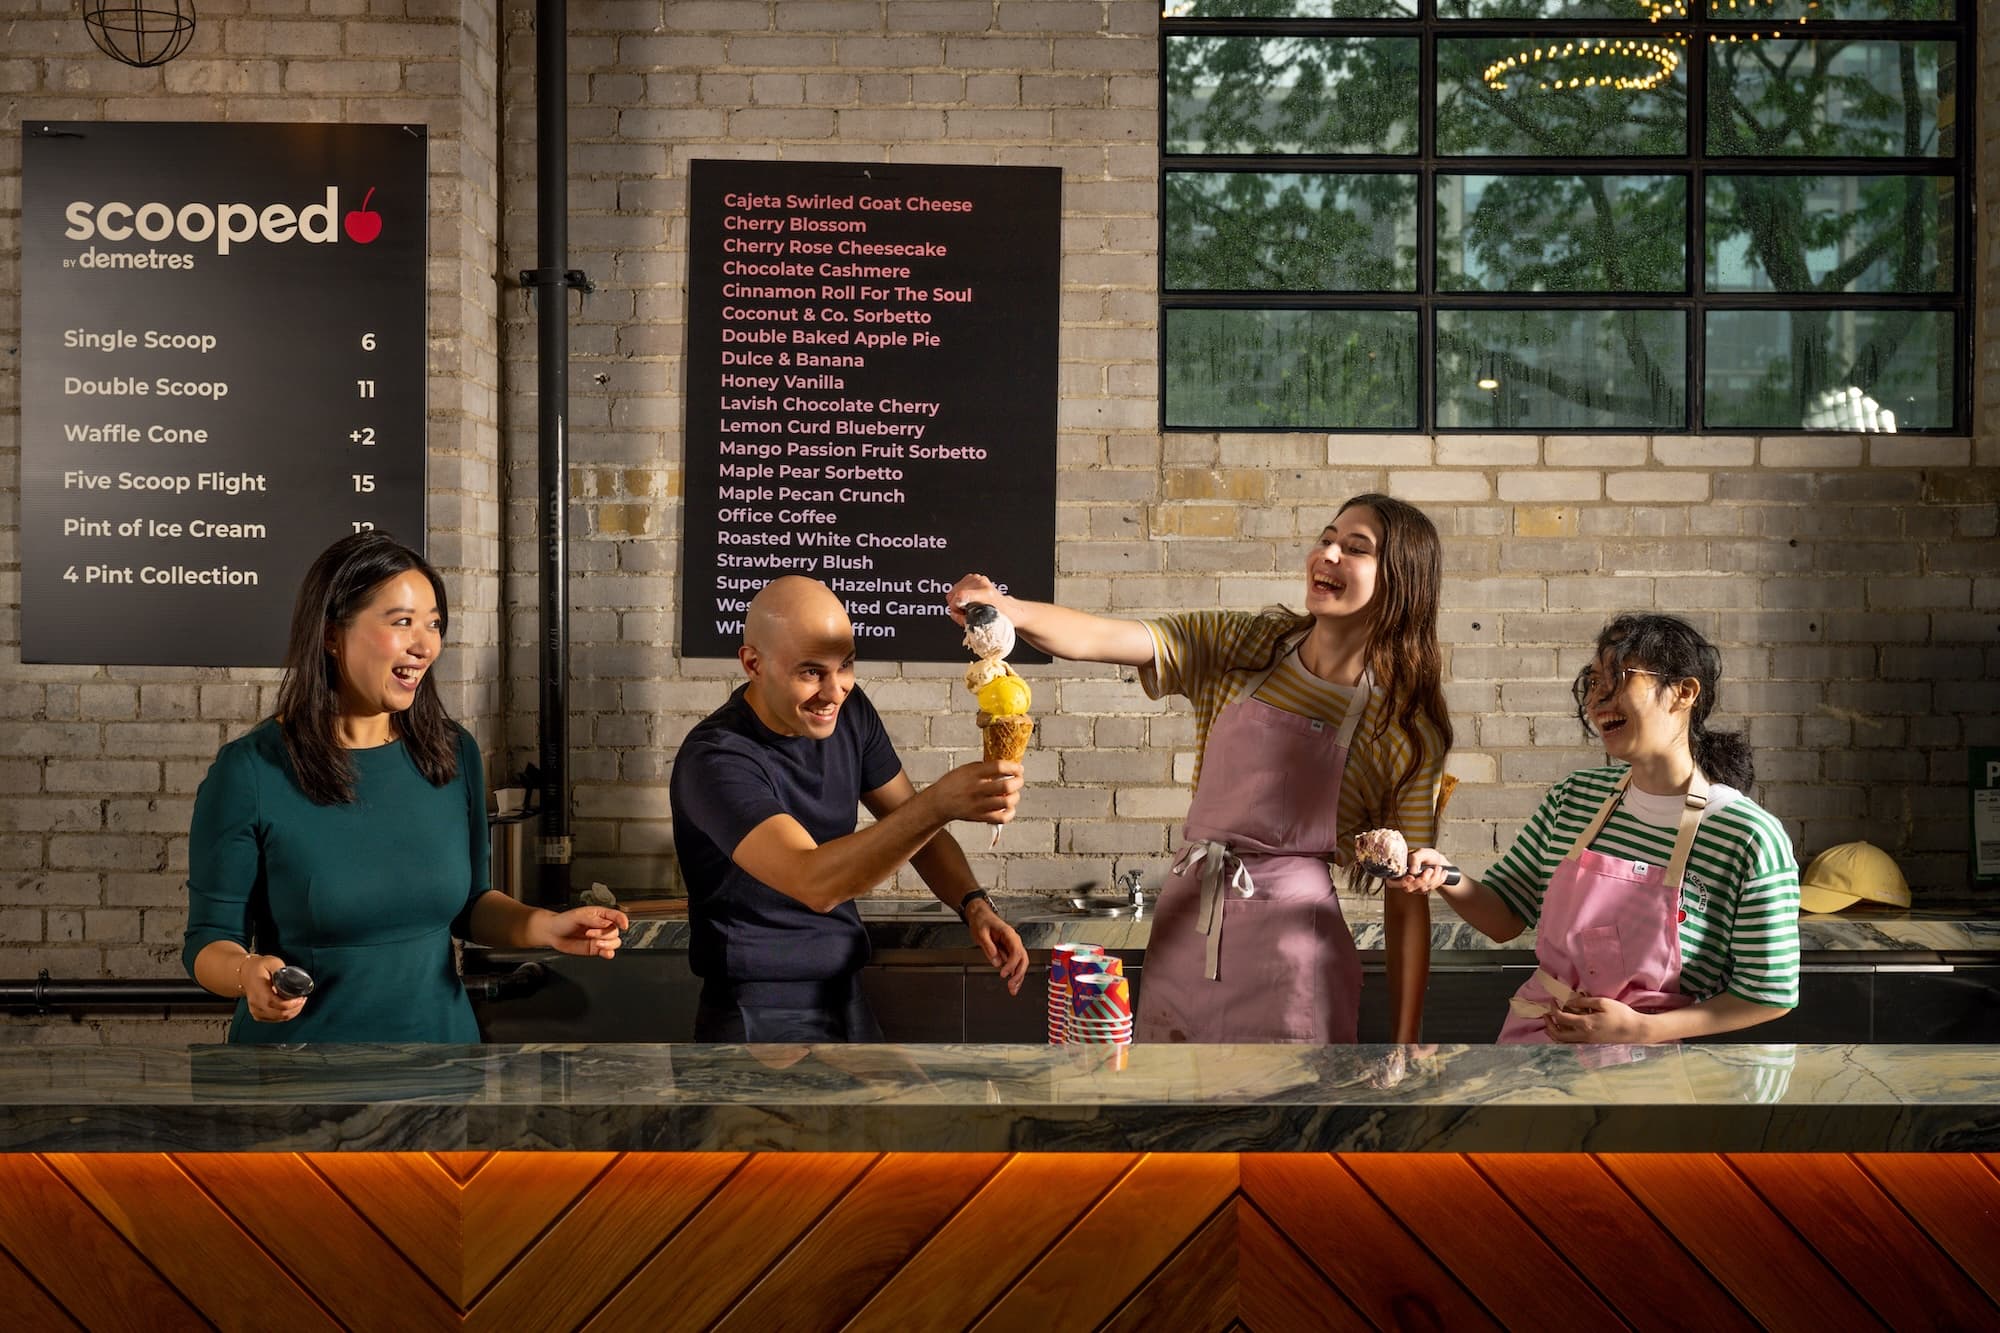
x=292 y=983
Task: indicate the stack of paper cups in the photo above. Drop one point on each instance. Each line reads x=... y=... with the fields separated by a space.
x=1086 y=958
x=1065 y=960
x=1100 y=1009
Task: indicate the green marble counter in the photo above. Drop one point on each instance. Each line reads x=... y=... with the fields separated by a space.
x=1002 y=1098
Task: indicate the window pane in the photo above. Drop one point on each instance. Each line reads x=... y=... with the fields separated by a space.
x=1562 y=369
x=1845 y=370
x=1830 y=233
x=1289 y=9
x=1499 y=95
x=1252 y=231
x=1303 y=369
x=1562 y=233
x=1291 y=95
x=1820 y=10
x=1828 y=99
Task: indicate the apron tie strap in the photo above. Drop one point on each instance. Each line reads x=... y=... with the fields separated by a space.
x=1521 y=1007
x=1220 y=869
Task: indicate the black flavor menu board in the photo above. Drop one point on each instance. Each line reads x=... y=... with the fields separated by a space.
x=222 y=371
x=871 y=392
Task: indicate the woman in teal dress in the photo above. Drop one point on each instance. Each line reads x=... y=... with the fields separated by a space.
x=347 y=834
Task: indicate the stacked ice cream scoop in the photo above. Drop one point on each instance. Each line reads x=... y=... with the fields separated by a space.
x=1004 y=698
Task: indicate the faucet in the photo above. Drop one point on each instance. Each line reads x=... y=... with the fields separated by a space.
x=1130 y=882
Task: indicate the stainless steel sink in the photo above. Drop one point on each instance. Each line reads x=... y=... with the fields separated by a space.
x=1088 y=907
x=903 y=909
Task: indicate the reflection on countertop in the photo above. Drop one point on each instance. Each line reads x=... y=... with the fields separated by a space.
x=1708 y=1097
x=916 y=923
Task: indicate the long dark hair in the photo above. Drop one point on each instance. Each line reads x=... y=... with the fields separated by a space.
x=337 y=586
x=1402 y=655
x=1675 y=651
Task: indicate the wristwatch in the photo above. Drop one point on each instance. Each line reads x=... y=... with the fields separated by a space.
x=966 y=901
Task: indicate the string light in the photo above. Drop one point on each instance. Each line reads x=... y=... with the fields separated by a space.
x=1626 y=64
x=1656 y=10
x=1677 y=9
x=1632 y=65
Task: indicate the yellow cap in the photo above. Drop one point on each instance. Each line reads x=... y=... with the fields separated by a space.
x=1841 y=876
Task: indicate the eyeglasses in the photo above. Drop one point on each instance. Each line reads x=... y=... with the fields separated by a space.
x=1589 y=684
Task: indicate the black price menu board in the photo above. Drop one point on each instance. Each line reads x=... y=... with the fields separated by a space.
x=871 y=392
x=222 y=371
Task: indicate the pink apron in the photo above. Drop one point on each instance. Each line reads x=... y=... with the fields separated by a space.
x=1248 y=941
x=1609 y=927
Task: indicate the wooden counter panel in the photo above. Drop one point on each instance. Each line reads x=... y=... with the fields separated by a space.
x=809 y=1241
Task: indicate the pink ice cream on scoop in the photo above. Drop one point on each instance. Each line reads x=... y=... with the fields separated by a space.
x=1382 y=847
x=987 y=632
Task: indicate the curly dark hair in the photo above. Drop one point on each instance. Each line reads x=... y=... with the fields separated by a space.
x=1674 y=650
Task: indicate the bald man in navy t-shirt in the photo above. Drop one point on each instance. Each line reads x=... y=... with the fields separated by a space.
x=765 y=793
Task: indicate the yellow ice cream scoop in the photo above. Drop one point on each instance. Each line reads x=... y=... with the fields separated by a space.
x=1005 y=696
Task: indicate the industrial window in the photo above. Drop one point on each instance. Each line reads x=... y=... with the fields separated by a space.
x=1725 y=216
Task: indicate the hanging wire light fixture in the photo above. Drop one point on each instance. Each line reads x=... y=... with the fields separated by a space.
x=1677 y=9
x=1626 y=64
x=141 y=33
x=1619 y=64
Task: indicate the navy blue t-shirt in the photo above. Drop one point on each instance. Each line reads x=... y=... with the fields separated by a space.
x=731 y=775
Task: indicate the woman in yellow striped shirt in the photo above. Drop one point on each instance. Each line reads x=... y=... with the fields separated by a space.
x=1311 y=727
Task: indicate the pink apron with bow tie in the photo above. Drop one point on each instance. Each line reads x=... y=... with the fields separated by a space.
x=1248 y=941
x=1610 y=927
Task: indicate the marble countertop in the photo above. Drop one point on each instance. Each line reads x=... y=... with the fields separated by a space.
x=1001 y=1098
x=1942 y=930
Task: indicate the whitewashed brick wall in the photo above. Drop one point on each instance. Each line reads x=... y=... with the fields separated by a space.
x=101 y=764
x=1853 y=583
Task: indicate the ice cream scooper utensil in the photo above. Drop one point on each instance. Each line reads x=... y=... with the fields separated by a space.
x=292 y=983
x=1383 y=854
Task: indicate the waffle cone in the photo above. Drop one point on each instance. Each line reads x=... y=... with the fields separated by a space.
x=1007 y=737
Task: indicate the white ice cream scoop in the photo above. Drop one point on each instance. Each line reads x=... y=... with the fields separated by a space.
x=987 y=632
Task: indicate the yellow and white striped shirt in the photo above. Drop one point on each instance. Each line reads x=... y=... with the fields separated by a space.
x=1212 y=656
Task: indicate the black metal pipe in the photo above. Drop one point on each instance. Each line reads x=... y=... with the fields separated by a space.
x=523 y=980
x=552 y=428
x=43 y=994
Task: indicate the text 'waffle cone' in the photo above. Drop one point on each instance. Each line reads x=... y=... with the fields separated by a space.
x=1007 y=737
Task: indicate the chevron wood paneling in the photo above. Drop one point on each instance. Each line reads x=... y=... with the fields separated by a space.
x=1033 y=1201
x=1196 y=1242
x=1119 y=1243
x=1352 y=1238
x=1951 y=1197
x=1630 y=1257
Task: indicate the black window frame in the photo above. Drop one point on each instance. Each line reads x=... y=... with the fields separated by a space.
x=1696 y=164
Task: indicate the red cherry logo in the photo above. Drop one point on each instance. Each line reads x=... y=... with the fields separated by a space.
x=361 y=225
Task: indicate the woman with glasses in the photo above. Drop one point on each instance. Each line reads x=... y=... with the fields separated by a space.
x=1665 y=901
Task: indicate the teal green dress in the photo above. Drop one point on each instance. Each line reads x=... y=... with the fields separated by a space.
x=365 y=896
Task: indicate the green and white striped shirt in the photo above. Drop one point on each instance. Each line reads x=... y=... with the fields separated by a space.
x=1741 y=934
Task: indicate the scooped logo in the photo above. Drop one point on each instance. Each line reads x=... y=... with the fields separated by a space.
x=362 y=226
x=225 y=224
